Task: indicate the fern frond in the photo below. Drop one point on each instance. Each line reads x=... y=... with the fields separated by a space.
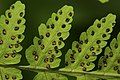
x=45 y=52
x=11 y=29
x=110 y=62
x=108 y=65
x=83 y=53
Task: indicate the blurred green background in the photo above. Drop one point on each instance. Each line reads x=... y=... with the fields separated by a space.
x=38 y=11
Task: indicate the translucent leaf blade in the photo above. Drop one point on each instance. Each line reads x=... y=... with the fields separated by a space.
x=109 y=63
x=90 y=44
x=51 y=40
x=11 y=29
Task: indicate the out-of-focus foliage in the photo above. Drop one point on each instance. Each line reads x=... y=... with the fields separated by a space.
x=104 y=1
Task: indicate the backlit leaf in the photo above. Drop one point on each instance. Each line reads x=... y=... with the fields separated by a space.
x=11 y=29
x=83 y=53
x=45 y=52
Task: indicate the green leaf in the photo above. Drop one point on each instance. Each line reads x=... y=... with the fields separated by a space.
x=83 y=53
x=104 y=1
x=110 y=62
x=11 y=29
x=45 y=52
x=10 y=74
x=49 y=76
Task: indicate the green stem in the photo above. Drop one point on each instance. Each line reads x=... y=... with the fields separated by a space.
x=93 y=73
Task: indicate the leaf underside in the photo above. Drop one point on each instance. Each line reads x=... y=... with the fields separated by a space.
x=86 y=50
x=45 y=52
x=83 y=53
x=109 y=64
x=11 y=29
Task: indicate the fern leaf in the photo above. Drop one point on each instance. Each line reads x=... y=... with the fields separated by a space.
x=83 y=53
x=11 y=29
x=10 y=74
x=45 y=52
x=110 y=62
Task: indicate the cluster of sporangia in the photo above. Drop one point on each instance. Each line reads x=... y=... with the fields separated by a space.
x=7 y=77
x=87 y=56
x=42 y=46
x=50 y=52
